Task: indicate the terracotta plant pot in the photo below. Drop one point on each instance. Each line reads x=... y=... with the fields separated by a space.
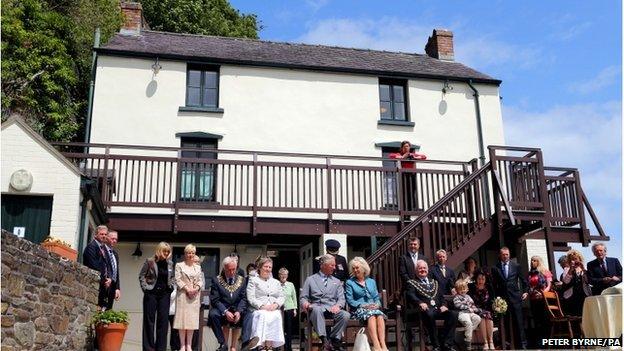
x=110 y=336
x=61 y=250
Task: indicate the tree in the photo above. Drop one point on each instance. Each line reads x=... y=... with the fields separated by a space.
x=208 y=17
x=46 y=49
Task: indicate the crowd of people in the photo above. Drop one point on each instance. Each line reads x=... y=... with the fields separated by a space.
x=257 y=308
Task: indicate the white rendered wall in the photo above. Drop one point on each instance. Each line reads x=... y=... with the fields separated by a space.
x=50 y=177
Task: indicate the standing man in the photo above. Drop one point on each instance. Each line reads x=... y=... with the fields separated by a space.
x=426 y=295
x=603 y=272
x=510 y=283
x=342 y=269
x=323 y=297
x=114 y=292
x=95 y=256
x=408 y=261
x=444 y=275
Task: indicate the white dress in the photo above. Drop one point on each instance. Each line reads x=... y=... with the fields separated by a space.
x=266 y=325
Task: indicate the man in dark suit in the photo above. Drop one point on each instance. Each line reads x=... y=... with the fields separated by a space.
x=342 y=269
x=227 y=297
x=426 y=295
x=95 y=256
x=444 y=275
x=603 y=272
x=114 y=292
x=407 y=262
x=510 y=283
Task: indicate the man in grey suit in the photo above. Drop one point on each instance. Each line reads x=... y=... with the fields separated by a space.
x=323 y=297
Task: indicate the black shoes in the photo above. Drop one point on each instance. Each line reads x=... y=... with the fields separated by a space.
x=223 y=347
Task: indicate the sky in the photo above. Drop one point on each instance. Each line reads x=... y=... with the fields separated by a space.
x=560 y=63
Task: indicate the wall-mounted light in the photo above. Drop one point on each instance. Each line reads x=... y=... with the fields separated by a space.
x=447 y=87
x=137 y=252
x=156 y=67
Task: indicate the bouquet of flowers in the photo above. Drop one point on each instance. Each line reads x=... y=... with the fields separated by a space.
x=499 y=305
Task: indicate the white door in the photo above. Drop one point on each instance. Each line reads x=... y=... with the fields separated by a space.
x=307 y=256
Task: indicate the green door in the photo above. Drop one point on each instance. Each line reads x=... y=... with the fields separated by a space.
x=33 y=213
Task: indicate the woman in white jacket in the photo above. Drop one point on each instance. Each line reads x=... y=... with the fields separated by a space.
x=266 y=296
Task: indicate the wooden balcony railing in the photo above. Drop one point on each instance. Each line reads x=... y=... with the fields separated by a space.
x=151 y=177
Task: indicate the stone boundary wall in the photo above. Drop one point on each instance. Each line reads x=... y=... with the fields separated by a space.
x=47 y=301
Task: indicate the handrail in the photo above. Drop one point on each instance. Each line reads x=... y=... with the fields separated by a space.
x=499 y=184
x=442 y=202
x=593 y=216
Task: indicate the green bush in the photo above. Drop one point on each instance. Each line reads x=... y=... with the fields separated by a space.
x=110 y=316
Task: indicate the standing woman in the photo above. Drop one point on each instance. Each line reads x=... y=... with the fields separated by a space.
x=190 y=281
x=157 y=280
x=470 y=268
x=363 y=298
x=540 y=281
x=575 y=284
x=290 y=306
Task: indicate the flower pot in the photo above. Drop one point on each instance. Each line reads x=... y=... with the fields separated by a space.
x=61 y=250
x=110 y=336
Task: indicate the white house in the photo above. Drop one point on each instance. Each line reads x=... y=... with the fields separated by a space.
x=268 y=147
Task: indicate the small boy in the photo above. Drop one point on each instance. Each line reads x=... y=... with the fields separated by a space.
x=468 y=316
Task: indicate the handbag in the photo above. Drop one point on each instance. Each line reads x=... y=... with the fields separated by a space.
x=361 y=341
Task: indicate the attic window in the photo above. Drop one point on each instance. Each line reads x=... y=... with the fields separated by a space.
x=392 y=100
x=202 y=86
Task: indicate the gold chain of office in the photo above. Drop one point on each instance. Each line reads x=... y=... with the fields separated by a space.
x=426 y=292
x=231 y=288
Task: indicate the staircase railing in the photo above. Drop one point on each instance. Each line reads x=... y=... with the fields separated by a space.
x=448 y=224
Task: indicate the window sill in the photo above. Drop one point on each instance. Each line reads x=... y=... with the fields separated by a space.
x=200 y=109
x=395 y=123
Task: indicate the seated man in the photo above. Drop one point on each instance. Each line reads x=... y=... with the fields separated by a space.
x=323 y=297
x=227 y=297
x=426 y=294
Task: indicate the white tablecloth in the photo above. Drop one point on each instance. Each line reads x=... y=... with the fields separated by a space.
x=602 y=316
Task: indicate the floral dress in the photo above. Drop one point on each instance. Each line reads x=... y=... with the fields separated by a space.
x=483 y=300
x=358 y=295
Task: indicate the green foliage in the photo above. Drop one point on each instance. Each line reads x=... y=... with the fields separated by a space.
x=110 y=316
x=208 y=17
x=46 y=49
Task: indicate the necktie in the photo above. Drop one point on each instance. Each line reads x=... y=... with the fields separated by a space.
x=444 y=271
x=506 y=269
x=325 y=281
x=231 y=281
x=604 y=268
x=105 y=258
x=111 y=257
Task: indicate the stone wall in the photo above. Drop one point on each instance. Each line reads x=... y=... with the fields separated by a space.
x=47 y=301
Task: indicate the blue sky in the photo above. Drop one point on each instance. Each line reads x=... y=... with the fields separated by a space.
x=560 y=63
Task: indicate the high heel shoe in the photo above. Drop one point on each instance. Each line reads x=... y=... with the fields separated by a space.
x=492 y=347
x=485 y=346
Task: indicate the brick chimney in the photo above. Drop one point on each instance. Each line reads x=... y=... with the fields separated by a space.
x=440 y=45
x=132 y=18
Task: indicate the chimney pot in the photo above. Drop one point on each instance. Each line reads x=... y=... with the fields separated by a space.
x=133 y=20
x=440 y=45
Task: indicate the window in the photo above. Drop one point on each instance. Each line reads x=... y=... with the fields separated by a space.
x=198 y=179
x=202 y=86
x=392 y=100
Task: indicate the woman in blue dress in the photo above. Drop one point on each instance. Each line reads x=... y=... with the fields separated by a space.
x=364 y=302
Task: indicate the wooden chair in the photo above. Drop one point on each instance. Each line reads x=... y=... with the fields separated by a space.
x=556 y=316
x=394 y=325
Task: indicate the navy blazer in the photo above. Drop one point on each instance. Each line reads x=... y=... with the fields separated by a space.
x=222 y=299
x=92 y=257
x=596 y=274
x=407 y=268
x=414 y=297
x=446 y=283
x=514 y=286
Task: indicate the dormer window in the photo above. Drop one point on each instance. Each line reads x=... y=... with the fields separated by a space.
x=202 y=86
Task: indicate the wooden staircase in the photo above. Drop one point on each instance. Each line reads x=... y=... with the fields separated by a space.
x=509 y=199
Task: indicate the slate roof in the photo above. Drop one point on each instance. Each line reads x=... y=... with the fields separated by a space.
x=290 y=55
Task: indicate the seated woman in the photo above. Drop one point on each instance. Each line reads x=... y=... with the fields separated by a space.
x=482 y=295
x=540 y=281
x=575 y=284
x=266 y=296
x=363 y=298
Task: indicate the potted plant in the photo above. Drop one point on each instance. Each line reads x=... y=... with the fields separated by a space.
x=60 y=247
x=110 y=328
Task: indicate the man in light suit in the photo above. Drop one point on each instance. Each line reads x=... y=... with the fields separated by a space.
x=510 y=283
x=95 y=256
x=443 y=274
x=603 y=272
x=408 y=261
x=323 y=297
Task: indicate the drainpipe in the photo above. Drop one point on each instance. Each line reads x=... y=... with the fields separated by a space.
x=83 y=219
x=96 y=44
x=479 y=124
